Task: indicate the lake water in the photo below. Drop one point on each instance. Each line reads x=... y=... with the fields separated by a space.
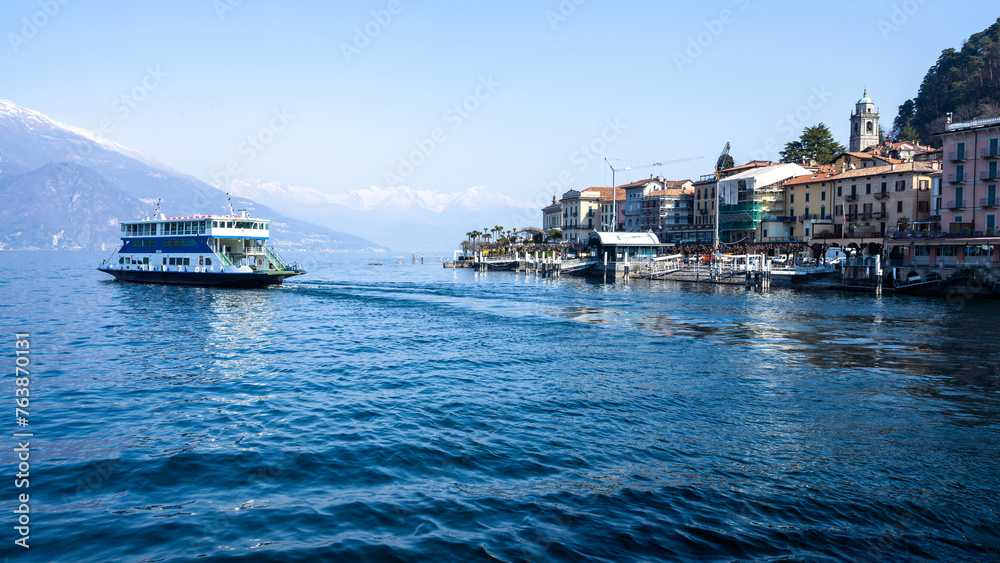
x=413 y=413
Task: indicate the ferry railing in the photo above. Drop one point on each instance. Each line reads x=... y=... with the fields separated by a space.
x=275 y=259
x=227 y=258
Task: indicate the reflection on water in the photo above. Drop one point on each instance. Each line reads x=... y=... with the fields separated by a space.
x=412 y=413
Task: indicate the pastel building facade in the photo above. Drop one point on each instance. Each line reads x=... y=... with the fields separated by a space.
x=969 y=189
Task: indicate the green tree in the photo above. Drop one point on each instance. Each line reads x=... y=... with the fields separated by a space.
x=815 y=143
x=725 y=162
x=555 y=234
x=902 y=126
x=965 y=82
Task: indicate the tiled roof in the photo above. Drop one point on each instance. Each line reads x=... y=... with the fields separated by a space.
x=825 y=176
x=669 y=191
x=918 y=167
x=602 y=192
x=619 y=196
x=638 y=183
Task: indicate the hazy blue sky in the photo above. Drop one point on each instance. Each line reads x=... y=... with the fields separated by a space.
x=338 y=110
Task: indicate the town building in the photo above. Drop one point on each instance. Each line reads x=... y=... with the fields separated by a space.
x=812 y=196
x=634 y=192
x=864 y=125
x=552 y=216
x=581 y=213
x=704 y=205
x=610 y=206
x=876 y=202
x=752 y=206
x=668 y=212
x=971 y=161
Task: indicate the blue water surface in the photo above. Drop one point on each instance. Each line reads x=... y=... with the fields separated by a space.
x=407 y=412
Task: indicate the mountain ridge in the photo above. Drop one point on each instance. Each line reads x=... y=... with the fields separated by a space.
x=30 y=141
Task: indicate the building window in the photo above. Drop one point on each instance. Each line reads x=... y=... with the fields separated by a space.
x=840 y=191
x=792 y=198
x=899 y=207
x=807 y=197
x=868 y=188
x=822 y=195
x=900 y=185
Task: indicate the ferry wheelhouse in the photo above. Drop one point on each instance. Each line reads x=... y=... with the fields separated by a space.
x=224 y=250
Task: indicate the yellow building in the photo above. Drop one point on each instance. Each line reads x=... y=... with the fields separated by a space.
x=809 y=199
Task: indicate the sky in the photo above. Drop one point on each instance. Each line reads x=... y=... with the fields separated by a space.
x=524 y=98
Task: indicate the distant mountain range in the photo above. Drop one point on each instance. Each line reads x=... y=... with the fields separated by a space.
x=64 y=188
x=401 y=218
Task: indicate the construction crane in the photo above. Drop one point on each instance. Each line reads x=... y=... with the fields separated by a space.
x=614 y=187
x=718 y=212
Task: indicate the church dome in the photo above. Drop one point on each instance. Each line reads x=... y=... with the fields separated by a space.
x=865 y=99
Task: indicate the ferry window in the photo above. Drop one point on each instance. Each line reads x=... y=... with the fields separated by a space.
x=208 y=261
x=121 y=260
x=123 y=227
x=187 y=261
x=145 y=260
x=164 y=261
x=173 y=261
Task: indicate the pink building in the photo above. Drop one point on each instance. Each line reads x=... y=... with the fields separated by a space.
x=969 y=186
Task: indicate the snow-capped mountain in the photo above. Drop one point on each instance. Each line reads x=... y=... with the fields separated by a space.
x=65 y=188
x=400 y=217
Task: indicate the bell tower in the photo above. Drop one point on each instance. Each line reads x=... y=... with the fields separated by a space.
x=864 y=125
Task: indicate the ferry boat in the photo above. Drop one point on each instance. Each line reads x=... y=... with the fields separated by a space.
x=219 y=250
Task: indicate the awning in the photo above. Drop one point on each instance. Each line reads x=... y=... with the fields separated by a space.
x=735 y=217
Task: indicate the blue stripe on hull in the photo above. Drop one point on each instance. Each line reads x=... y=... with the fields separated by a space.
x=198 y=278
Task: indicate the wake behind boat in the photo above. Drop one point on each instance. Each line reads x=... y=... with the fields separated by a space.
x=219 y=250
